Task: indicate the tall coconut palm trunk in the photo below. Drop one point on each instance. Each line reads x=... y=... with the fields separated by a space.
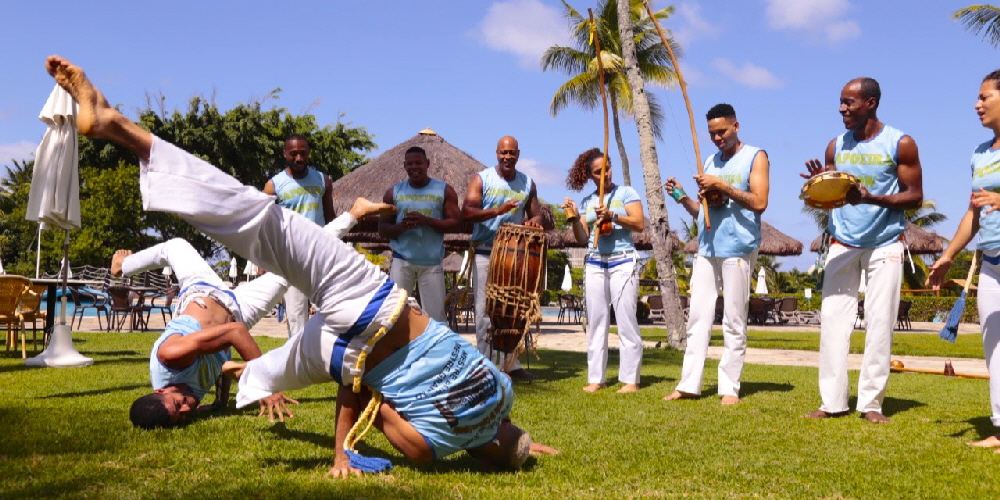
x=626 y=177
x=662 y=248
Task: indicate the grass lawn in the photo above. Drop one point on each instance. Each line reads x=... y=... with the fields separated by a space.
x=66 y=433
x=968 y=345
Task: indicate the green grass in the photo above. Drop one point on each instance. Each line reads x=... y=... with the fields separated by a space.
x=65 y=433
x=903 y=343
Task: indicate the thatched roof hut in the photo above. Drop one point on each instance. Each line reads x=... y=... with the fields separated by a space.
x=918 y=239
x=772 y=242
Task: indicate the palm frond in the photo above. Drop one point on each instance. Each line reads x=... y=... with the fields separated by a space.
x=981 y=19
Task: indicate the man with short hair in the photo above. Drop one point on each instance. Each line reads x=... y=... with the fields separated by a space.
x=186 y=360
x=737 y=178
x=426 y=209
x=866 y=241
x=496 y=196
x=432 y=392
x=308 y=192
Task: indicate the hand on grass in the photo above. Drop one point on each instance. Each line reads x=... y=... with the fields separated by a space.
x=541 y=449
x=344 y=471
x=276 y=404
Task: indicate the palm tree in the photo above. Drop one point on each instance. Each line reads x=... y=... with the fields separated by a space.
x=659 y=225
x=983 y=19
x=584 y=88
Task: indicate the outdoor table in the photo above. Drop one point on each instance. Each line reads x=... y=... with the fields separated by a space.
x=50 y=299
x=142 y=293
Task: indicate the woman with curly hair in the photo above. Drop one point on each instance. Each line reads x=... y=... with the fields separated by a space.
x=611 y=273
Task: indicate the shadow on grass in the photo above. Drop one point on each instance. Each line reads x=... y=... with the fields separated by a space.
x=324 y=399
x=748 y=389
x=16 y=366
x=95 y=392
x=122 y=361
x=325 y=441
x=892 y=406
x=979 y=428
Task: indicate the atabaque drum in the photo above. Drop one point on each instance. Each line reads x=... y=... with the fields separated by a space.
x=513 y=284
x=828 y=190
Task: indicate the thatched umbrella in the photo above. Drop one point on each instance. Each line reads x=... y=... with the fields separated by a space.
x=918 y=239
x=772 y=242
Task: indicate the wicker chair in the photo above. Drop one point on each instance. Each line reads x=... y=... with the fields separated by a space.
x=31 y=310
x=12 y=288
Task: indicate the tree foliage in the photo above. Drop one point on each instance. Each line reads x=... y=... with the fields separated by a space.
x=981 y=19
x=245 y=142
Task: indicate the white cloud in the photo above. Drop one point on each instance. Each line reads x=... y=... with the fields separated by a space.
x=542 y=174
x=825 y=19
x=524 y=28
x=694 y=26
x=21 y=150
x=749 y=74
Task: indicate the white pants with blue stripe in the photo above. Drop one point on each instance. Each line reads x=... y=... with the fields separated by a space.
x=883 y=267
x=255 y=298
x=711 y=275
x=354 y=298
x=612 y=282
x=988 y=302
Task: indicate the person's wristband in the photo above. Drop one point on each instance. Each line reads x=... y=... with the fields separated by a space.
x=573 y=218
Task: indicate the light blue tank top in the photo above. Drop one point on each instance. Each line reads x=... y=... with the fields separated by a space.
x=303 y=196
x=874 y=163
x=421 y=245
x=986 y=174
x=735 y=230
x=497 y=190
x=449 y=392
x=620 y=239
x=202 y=373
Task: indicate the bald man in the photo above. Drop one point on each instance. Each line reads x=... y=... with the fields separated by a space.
x=497 y=196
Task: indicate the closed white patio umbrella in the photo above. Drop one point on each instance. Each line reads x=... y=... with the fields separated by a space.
x=761 y=283
x=567 y=282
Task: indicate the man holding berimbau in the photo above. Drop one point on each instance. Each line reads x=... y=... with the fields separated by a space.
x=866 y=239
x=736 y=182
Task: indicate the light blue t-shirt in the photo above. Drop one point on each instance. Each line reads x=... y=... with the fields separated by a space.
x=200 y=376
x=303 y=196
x=620 y=239
x=874 y=163
x=421 y=245
x=497 y=190
x=735 y=229
x=446 y=389
x=986 y=174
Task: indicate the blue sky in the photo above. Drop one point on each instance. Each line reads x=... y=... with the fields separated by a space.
x=469 y=70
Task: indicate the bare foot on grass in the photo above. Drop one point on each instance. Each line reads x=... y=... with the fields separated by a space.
x=593 y=387
x=628 y=389
x=364 y=207
x=730 y=400
x=116 y=261
x=990 y=442
x=875 y=417
x=823 y=414
x=95 y=114
x=674 y=396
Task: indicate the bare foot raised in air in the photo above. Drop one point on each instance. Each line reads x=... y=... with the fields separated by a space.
x=116 y=261
x=234 y=369
x=95 y=115
x=674 y=396
x=364 y=207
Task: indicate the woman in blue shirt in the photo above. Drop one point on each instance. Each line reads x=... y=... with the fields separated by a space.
x=611 y=274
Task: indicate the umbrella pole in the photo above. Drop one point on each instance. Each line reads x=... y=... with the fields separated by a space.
x=65 y=279
x=38 y=252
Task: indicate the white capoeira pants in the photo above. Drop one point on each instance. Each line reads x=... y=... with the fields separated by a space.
x=254 y=298
x=883 y=268
x=605 y=287
x=296 y=310
x=431 y=283
x=479 y=271
x=711 y=275
x=988 y=301
x=353 y=297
